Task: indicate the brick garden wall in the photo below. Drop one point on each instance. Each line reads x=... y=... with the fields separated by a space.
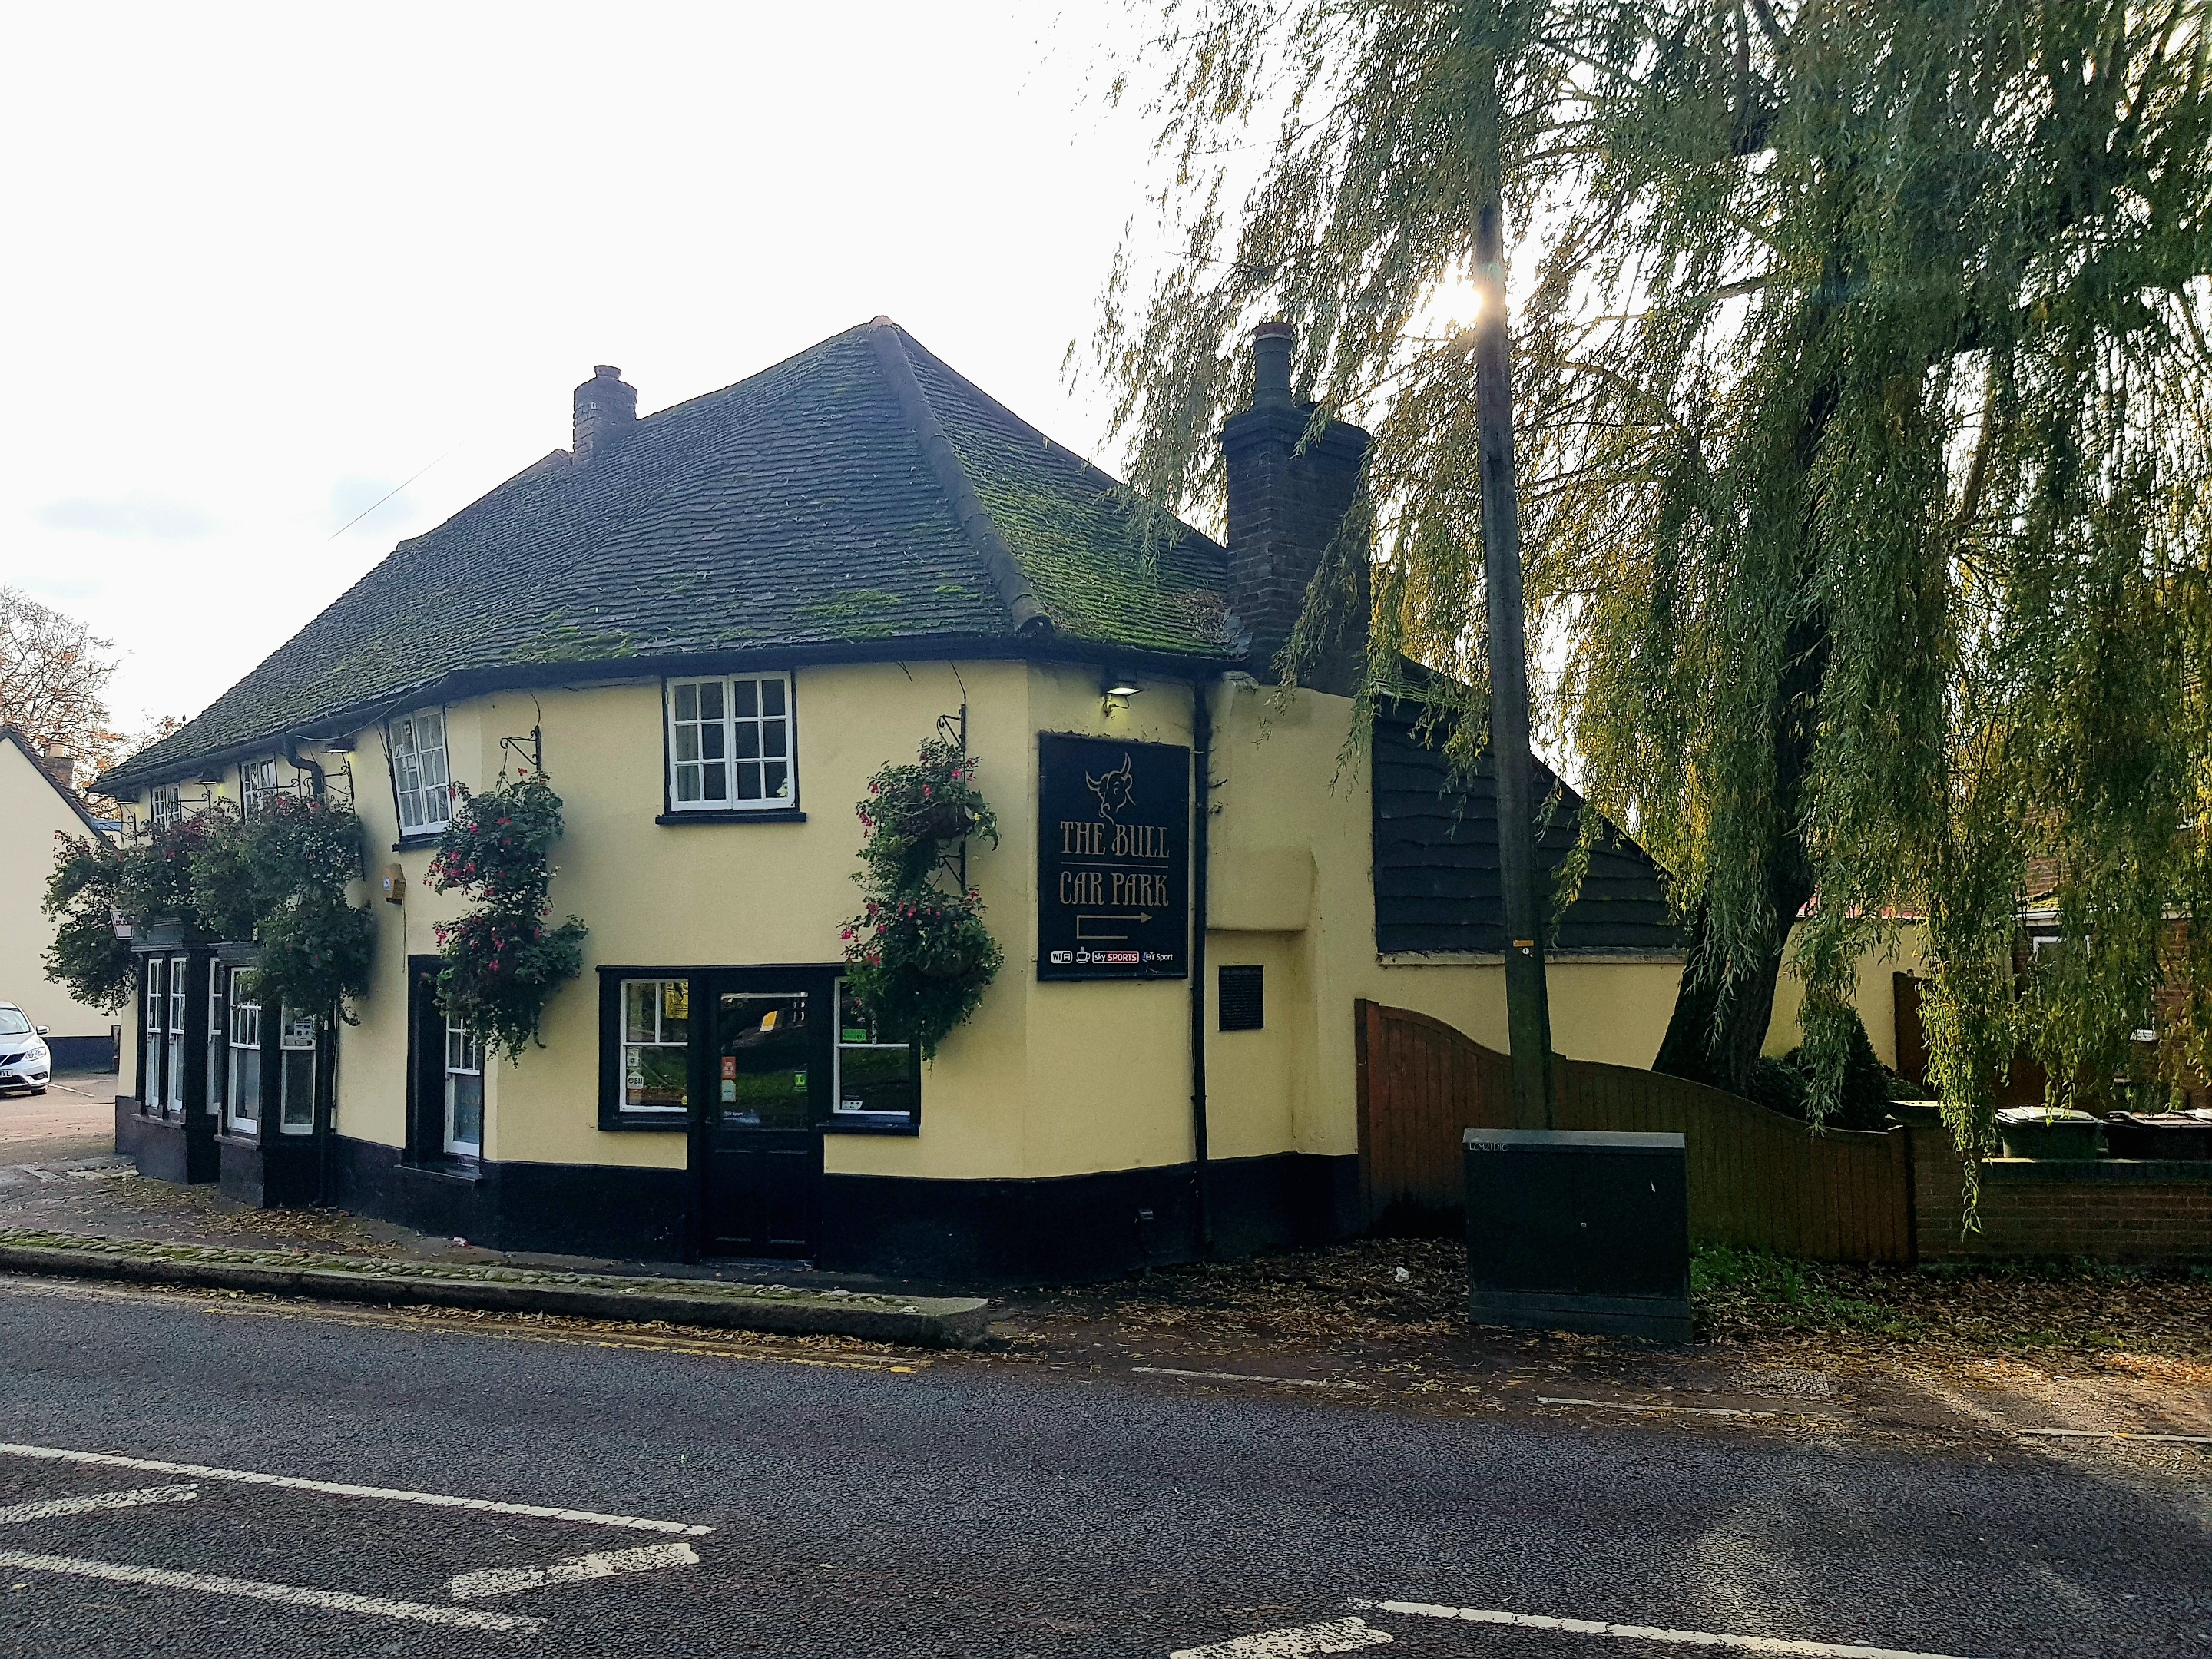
x=2116 y=1210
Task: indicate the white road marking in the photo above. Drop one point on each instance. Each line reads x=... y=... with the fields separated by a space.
x=207 y=1584
x=1694 y=1639
x=344 y=1489
x=89 y=1502
x=1245 y=1376
x=1337 y=1635
x=1692 y=1410
x=2119 y=1434
x=571 y=1570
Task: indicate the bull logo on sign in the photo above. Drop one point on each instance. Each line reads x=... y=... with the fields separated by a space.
x=1116 y=791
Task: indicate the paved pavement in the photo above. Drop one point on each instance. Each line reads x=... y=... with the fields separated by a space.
x=74 y=1119
x=644 y=1496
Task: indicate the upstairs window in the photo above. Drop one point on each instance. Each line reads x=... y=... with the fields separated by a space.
x=730 y=745
x=418 y=772
x=165 y=805
x=257 y=784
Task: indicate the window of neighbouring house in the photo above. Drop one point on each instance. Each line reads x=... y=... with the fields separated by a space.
x=464 y=1090
x=656 y=1051
x=877 y=1083
x=729 y=745
x=165 y=805
x=257 y=785
x=245 y=1102
x=418 y=772
x=295 y=1108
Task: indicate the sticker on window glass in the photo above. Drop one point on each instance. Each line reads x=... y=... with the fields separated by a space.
x=729 y=1066
x=729 y=1089
x=798 y=1082
x=634 y=1080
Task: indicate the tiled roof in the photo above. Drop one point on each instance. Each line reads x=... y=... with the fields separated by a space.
x=1437 y=878
x=806 y=508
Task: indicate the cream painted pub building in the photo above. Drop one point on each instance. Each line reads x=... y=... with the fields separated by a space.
x=710 y=626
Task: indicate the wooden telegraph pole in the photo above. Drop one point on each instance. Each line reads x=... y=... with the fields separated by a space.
x=1527 y=1003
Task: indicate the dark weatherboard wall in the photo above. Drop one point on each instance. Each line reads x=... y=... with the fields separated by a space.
x=1436 y=860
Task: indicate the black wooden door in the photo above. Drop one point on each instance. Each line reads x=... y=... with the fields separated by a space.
x=767 y=1095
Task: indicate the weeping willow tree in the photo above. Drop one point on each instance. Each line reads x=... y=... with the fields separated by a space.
x=1865 y=416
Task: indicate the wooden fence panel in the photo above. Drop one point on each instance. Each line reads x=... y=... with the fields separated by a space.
x=1757 y=1179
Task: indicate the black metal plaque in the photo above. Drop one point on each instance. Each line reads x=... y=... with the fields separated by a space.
x=1113 y=859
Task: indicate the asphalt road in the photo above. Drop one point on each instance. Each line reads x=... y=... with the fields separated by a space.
x=959 y=1509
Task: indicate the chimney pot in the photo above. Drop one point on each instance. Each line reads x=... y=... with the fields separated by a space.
x=606 y=410
x=1271 y=365
x=60 y=762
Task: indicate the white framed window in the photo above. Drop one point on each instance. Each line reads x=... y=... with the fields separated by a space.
x=156 y=1000
x=245 y=1100
x=173 y=1073
x=296 y=1105
x=730 y=745
x=257 y=783
x=165 y=805
x=875 y=1084
x=218 y=1048
x=656 y=1051
x=418 y=771
x=464 y=1090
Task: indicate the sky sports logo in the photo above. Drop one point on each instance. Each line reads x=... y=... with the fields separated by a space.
x=1097 y=958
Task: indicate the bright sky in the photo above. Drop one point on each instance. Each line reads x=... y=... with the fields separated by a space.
x=268 y=265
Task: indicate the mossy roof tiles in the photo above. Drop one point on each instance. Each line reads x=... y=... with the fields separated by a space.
x=796 y=510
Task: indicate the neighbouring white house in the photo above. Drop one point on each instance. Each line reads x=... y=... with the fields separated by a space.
x=38 y=802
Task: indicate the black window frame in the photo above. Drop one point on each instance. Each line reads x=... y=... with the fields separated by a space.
x=615 y=1120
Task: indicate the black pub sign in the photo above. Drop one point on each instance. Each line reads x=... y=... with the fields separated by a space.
x=1113 y=859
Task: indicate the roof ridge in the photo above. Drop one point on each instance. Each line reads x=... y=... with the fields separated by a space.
x=886 y=340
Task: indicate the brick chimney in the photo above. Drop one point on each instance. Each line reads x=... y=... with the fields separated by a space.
x=606 y=410
x=59 y=761
x=1284 y=507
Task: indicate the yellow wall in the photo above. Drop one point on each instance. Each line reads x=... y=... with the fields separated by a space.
x=1047 y=1079
x=1905 y=951
x=31 y=814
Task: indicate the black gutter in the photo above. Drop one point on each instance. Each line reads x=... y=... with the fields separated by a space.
x=462 y=683
x=1201 y=755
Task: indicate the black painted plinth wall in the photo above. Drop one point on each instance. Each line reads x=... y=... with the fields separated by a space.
x=1076 y=1228
x=1080 y=1227
x=163 y=1151
x=567 y=1209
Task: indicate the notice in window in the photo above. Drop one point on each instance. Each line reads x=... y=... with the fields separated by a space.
x=1113 y=857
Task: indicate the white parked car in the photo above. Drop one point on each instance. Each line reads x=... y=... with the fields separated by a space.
x=25 y=1062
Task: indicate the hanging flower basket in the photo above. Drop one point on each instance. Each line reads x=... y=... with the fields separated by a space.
x=501 y=961
x=921 y=963
x=920 y=957
x=278 y=878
